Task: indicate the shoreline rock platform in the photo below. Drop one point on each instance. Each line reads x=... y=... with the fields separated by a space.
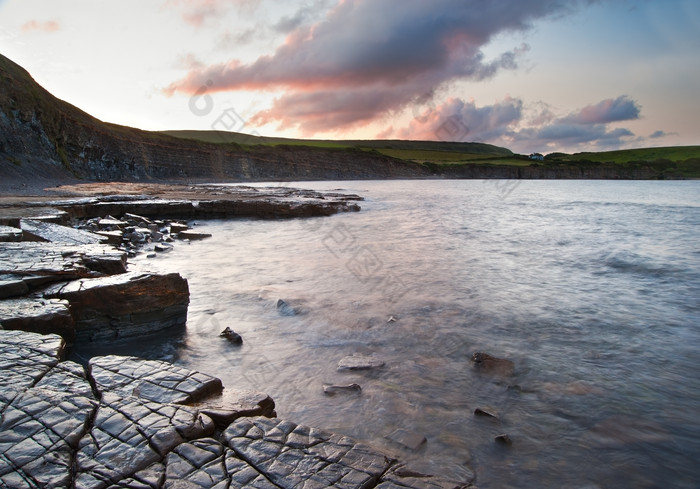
x=125 y=422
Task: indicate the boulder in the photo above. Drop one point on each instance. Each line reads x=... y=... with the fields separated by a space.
x=38 y=316
x=124 y=305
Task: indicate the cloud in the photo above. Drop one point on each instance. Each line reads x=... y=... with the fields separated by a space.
x=198 y=12
x=610 y=110
x=661 y=134
x=457 y=120
x=511 y=123
x=309 y=12
x=367 y=59
x=34 y=25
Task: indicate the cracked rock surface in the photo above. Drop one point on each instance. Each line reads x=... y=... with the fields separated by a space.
x=125 y=423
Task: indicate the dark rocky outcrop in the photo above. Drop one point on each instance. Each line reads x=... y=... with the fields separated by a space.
x=125 y=305
x=57 y=431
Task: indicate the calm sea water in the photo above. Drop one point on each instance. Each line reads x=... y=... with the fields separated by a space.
x=591 y=288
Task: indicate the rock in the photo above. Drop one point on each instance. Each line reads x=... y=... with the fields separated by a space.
x=151 y=255
x=112 y=237
x=485 y=413
x=332 y=390
x=401 y=477
x=135 y=219
x=56 y=433
x=233 y=404
x=151 y=379
x=129 y=435
x=491 y=364
x=504 y=439
x=285 y=309
x=110 y=223
x=391 y=319
x=38 y=316
x=232 y=336
x=192 y=235
x=163 y=247
x=42 y=426
x=360 y=362
x=12 y=286
x=56 y=262
x=176 y=227
x=55 y=233
x=407 y=439
x=290 y=455
x=124 y=305
x=24 y=359
x=8 y=233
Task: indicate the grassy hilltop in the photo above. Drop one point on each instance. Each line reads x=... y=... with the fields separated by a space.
x=440 y=157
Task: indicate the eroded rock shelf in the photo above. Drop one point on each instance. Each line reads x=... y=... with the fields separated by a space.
x=125 y=422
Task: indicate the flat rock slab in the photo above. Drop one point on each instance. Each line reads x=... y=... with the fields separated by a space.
x=151 y=379
x=39 y=316
x=24 y=359
x=55 y=233
x=290 y=455
x=360 y=362
x=41 y=427
x=60 y=262
x=125 y=305
x=8 y=233
x=130 y=434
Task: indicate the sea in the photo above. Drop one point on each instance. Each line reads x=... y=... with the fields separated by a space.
x=590 y=288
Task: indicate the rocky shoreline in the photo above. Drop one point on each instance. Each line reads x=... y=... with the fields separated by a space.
x=125 y=422
x=129 y=422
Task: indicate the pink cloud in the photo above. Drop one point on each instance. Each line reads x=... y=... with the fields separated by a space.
x=370 y=58
x=198 y=12
x=35 y=25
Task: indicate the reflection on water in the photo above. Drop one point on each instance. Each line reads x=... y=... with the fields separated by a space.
x=590 y=288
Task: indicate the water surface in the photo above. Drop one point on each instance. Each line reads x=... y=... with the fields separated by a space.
x=590 y=287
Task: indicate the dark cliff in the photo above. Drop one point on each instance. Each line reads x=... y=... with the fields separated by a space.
x=44 y=137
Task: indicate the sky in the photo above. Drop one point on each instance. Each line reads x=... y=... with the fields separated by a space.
x=530 y=75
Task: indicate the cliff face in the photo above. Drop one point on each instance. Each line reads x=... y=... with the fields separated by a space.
x=46 y=140
x=44 y=137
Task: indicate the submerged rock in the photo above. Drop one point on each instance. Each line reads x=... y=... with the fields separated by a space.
x=360 y=362
x=504 y=439
x=408 y=439
x=332 y=390
x=491 y=364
